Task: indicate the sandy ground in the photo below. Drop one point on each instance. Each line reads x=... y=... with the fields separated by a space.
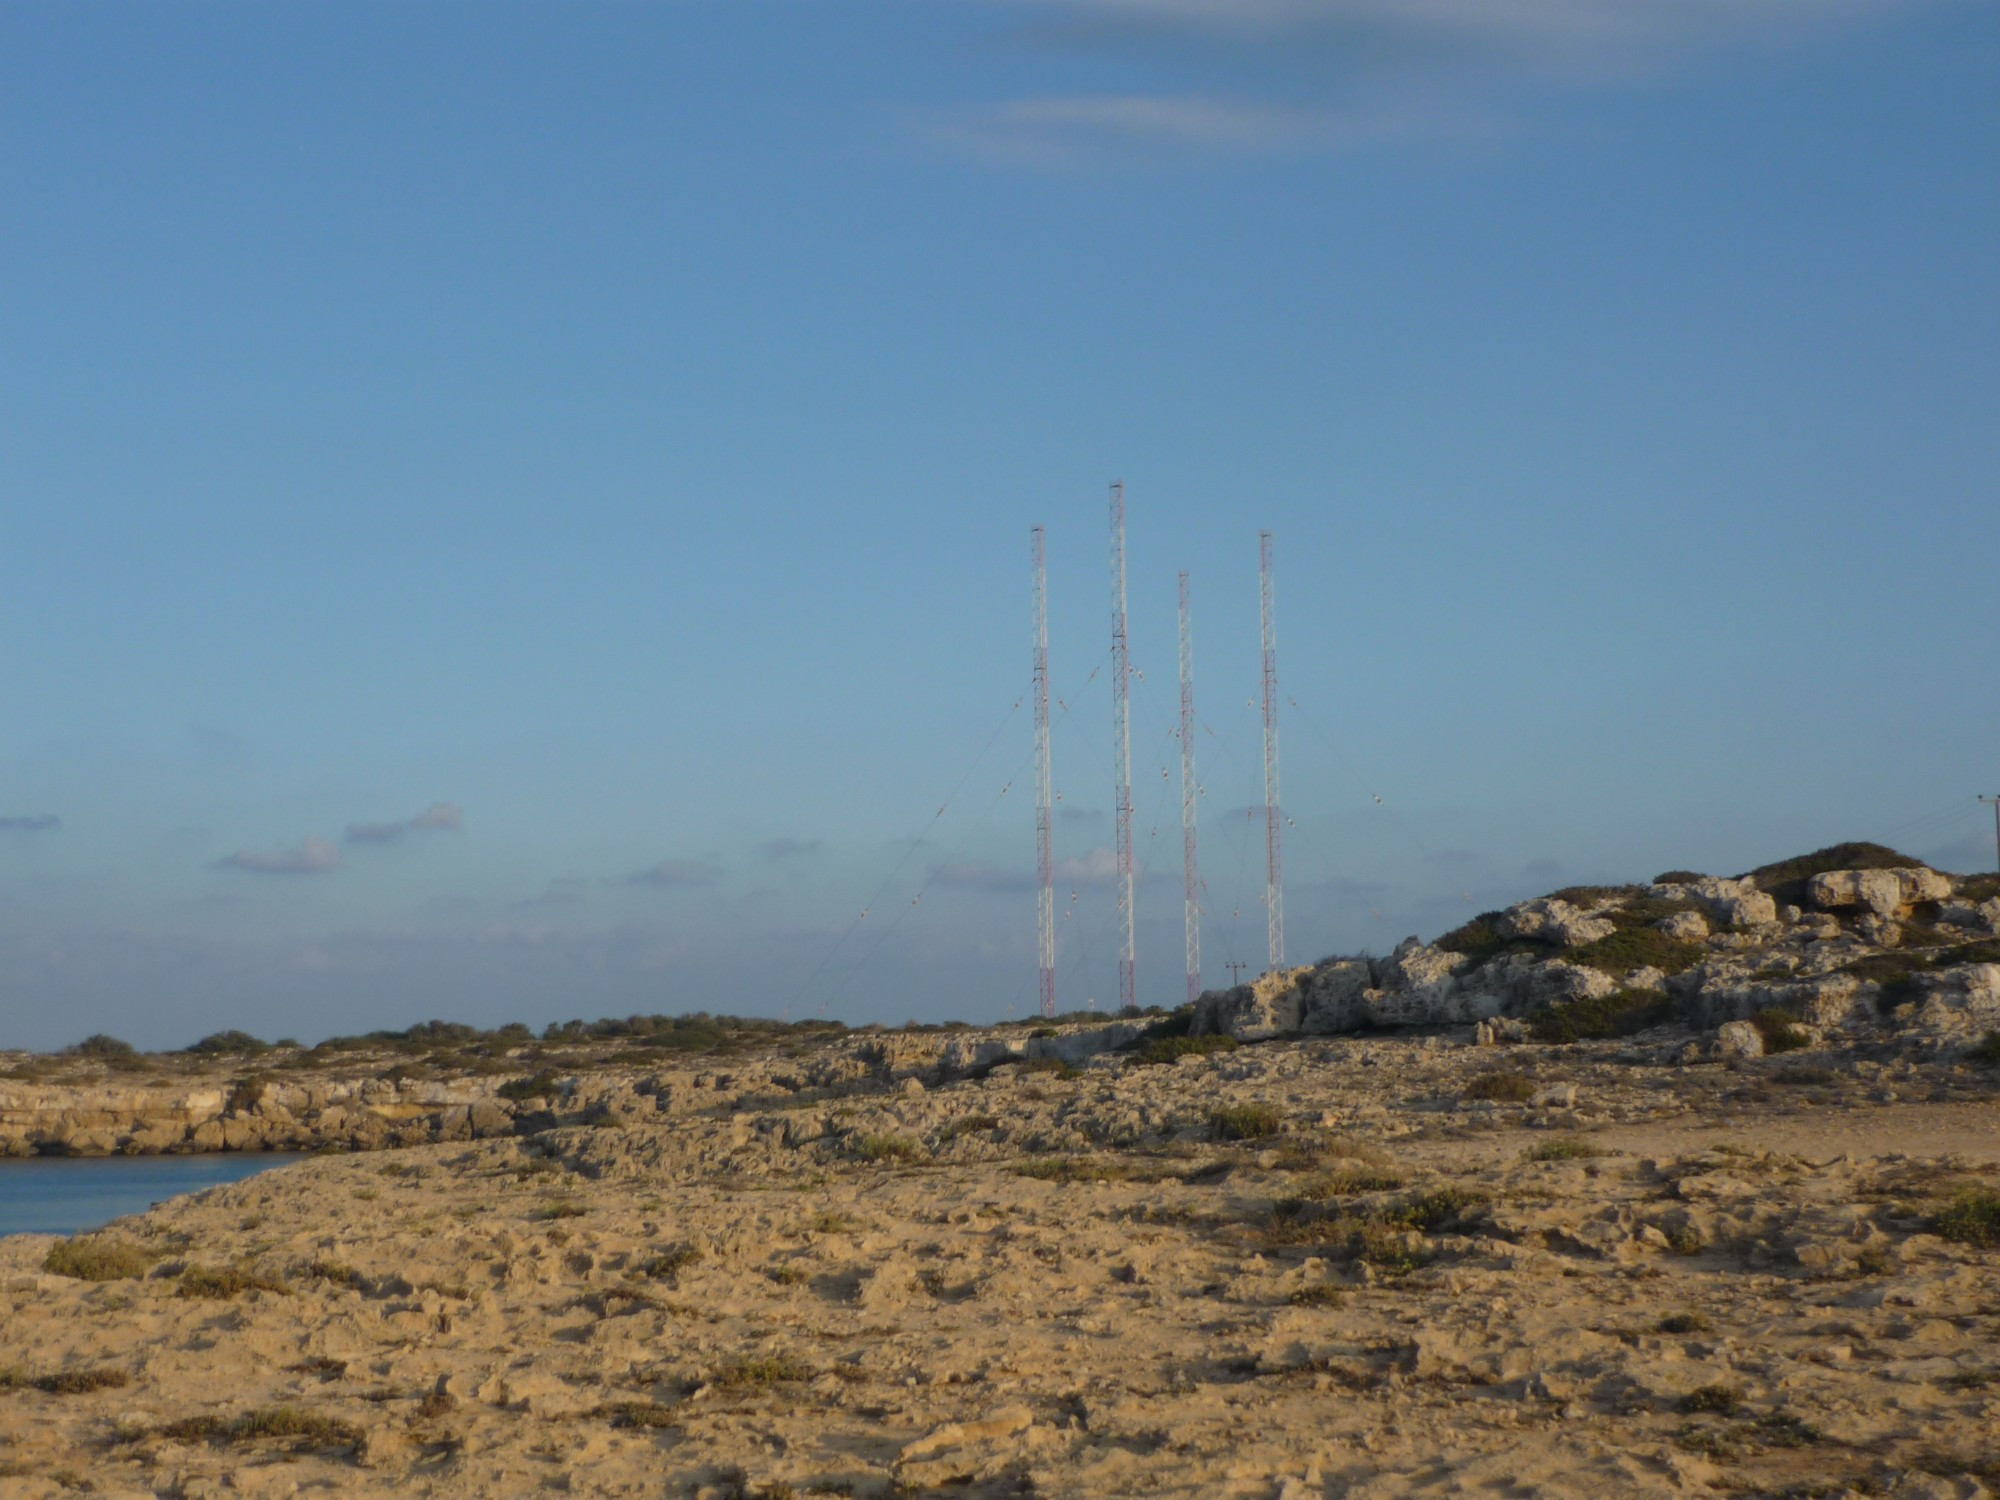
x=1653 y=1279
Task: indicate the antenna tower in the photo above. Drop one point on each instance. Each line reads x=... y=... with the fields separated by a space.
x=1274 y=872
x=1121 y=694
x=1187 y=798
x=1044 y=836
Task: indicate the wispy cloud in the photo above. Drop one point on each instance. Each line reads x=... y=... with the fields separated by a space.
x=780 y=849
x=313 y=857
x=1069 y=814
x=1237 y=76
x=677 y=874
x=439 y=817
x=31 y=823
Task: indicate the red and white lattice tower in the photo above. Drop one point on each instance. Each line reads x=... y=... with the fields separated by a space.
x=1121 y=696
x=1274 y=872
x=1045 y=858
x=1187 y=798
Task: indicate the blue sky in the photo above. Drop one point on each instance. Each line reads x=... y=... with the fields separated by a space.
x=521 y=511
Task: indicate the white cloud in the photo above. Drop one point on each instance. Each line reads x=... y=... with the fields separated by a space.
x=439 y=817
x=313 y=857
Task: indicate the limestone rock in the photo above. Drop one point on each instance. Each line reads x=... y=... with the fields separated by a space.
x=1886 y=893
x=1735 y=903
x=1684 y=926
x=1554 y=921
x=1738 y=1040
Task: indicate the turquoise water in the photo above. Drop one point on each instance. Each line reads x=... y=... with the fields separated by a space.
x=65 y=1194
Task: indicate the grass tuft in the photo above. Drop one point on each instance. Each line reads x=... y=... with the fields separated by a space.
x=1501 y=1087
x=1245 y=1122
x=883 y=1147
x=1721 y=1400
x=219 y=1283
x=754 y=1374
x=96 y=1258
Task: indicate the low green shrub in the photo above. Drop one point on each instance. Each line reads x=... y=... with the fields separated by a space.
x=871 y=1146
x=1721 y=1400
x=1986 y=1049
x=1158 y=1050
x=1620 y=1013
x=1972 y=1217
x=1632 y=948
x=229 y=1044
x=748 y=1374
x=1500 y=1087
x=96 y=1257
x=1780 y=1030
x=542 y=1085
x=219 y=1283
x=1245 y=1122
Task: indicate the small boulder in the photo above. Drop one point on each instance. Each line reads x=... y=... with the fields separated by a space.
x=1887 y=893
x=1738 y=1040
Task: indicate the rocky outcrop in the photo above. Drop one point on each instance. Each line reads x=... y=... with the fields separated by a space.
x=1886 y=893
x=1715 y=951
x=314 y=1112
x=244 y=1115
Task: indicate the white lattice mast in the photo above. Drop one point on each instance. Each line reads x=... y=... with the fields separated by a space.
x=1274 y=861
x=1121 y=695
x=1045 y=858
x=1188 y=797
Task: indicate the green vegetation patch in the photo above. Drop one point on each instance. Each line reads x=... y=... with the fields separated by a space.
x=229 y=1044
x=1501 y=1087
x=96 y=1257
x=1073 y=1169
x=1717 y=1400
x=1245 y=1122
x=1986 y=1049
x=872 y=1146
x=67 y=1382
x=643 y=1415
x=1620 y=1013
x=559 y=1208
x=668 y=1264
x=1972 y=1217
x=219 y=1283
x=298 y=1431
x=1482 y=941
x=1635 y=948
x=1155 y=1051
x=1780 y=1030
x=1564 y=1148
x=542 y=1085
x=754 y=1374
x=1683 y=1322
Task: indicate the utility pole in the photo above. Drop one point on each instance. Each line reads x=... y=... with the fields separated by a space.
x=1121 y=698
x=1236 y=968
x=1996 y=828
x=1274 y=863
x=1188 y=789
x=1045 y=859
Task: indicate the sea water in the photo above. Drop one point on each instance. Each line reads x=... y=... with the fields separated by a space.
x=67 y=1194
